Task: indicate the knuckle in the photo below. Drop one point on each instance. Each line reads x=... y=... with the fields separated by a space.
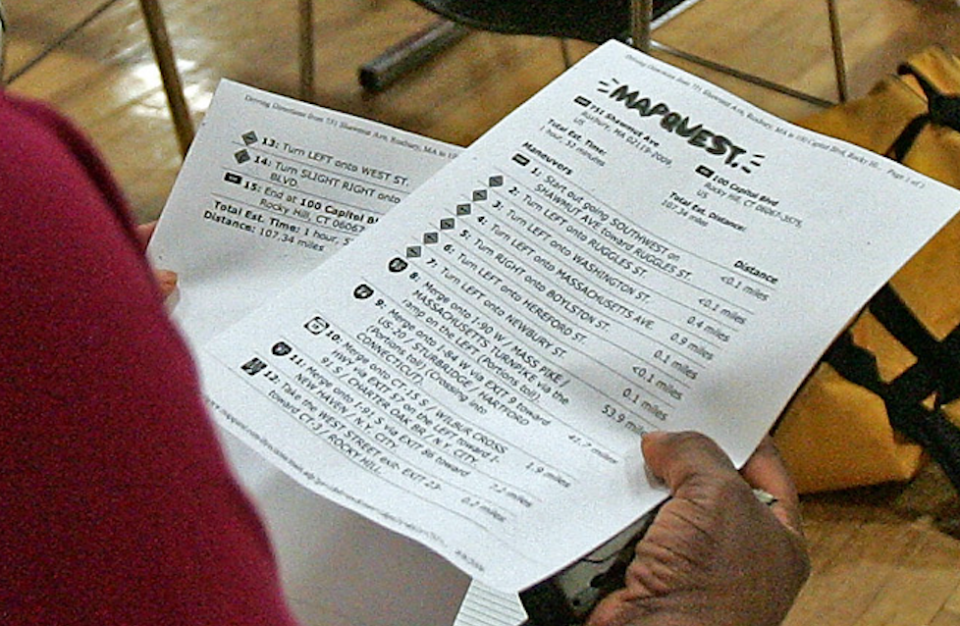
x=691 y=439
x=724 y=489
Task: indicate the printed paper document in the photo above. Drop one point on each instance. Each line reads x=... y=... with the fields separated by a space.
x=633 y=249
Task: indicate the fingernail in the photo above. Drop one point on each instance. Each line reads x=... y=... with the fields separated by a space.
x=653 y=435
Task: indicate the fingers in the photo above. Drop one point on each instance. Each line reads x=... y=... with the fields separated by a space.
x=166 y=281
x=765 y=470
x=678 y=458
x=714 y=553
x=145 y=232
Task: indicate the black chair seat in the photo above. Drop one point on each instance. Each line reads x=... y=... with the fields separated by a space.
x=589 y=20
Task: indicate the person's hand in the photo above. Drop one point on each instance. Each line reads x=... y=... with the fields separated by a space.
x=714 y=555
x=166 y=280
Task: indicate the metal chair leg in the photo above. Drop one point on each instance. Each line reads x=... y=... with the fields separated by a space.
x=641 y=18
x=411 y=53
x=836 y=40
x=163 y=53
x=565 y=53
x=641 y=12
x=306 y=50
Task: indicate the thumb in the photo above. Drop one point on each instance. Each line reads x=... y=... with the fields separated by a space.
x=680 y=458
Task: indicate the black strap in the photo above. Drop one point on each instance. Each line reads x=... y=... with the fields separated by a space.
x=929 y=428
x=942 y=110
x=937 y=370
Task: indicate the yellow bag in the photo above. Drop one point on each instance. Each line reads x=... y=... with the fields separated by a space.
x=888 y=391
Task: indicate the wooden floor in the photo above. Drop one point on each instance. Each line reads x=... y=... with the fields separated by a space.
x=881 y=556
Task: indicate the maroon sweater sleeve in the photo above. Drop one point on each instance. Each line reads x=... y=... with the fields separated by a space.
x=116 y=506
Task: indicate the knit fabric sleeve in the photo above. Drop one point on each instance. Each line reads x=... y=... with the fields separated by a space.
x=116 y=505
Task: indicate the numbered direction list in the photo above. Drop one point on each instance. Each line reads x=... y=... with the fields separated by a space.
x=271 y=187
x=632 y=250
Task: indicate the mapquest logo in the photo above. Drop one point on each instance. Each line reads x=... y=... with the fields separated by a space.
x=696 y=134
